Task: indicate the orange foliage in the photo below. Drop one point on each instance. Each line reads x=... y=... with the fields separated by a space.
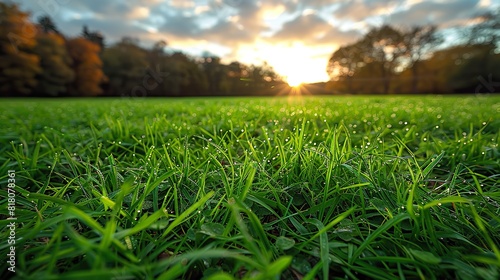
x=17 y=65
x=87 y=66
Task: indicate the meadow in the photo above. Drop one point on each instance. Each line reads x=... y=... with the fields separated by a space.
x=252 y=188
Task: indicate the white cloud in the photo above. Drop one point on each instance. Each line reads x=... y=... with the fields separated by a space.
x=138 y=13
x=183 y=4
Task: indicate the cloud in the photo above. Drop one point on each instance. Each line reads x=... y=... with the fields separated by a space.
x=312 y=29
x=227 y=32
x=234 y=22
x=436 y=12
x=112 y=30
x=409 y=12
x=359 y=10
x=182 y=4
x=138 y=13
x=99 y=7
x=336 y=36
x=250 y=17
x=179 y=25
x=303 y=27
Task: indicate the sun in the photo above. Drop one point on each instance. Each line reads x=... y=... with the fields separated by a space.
x=296 y=63
x=297 y=85
x=294 y=81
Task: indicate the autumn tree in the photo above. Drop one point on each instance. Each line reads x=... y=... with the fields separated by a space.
x=57 y=74
x=18 y=65
x=87 y=66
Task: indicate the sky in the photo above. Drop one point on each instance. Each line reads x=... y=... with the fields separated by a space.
x=295 y=37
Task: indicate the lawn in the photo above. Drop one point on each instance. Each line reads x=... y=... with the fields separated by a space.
x=263 y=188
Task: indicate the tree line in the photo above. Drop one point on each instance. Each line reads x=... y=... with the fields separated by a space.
x=389 y=60
x=36 y=59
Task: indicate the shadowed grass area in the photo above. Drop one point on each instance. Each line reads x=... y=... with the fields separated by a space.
x=304 y=188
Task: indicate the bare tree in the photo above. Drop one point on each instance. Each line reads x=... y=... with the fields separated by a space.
x=385 y=46
x=487 y=31
x=419 y=42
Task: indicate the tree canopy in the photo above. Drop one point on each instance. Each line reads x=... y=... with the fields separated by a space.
x=389 y=60
x=19 y=65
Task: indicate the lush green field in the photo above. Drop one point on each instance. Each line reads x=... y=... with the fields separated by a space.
x=304 y=188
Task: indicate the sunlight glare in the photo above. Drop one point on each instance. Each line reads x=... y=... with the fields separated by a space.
x=294 y=81
x=295 y=62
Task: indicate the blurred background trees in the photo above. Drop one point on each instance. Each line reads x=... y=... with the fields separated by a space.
x=19 y=65
x=389 y=60
x=87 y=66
x=56 y=63
x=124 y=64
x=36 y=59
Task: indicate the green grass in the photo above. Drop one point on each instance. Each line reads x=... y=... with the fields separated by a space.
x=269 y=188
